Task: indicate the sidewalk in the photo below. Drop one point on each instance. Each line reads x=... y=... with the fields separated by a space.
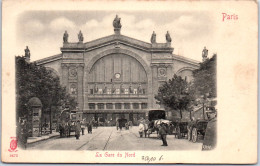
x=31 y=140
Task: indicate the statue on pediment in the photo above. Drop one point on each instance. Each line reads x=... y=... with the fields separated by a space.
x=168 y=37
x=27 y=52
x=204 y=54
x=65 y=37
x=153 y=38
x=117 y=23
x=80 y=36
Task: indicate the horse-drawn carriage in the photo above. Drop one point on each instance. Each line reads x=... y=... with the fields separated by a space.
x=67 y=123
x=122 y=123
x=196 y=128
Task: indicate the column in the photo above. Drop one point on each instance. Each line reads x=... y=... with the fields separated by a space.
x=113 y=107
x=131 y=106
x=80 y=69
x=105 y=106
x=169 y=72
x=95 y=106
x=155 y=83
x=65 y=76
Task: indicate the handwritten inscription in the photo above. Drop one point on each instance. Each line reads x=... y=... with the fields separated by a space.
x=149 y=159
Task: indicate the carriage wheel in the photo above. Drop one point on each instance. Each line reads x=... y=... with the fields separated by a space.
x=178 y=132
x=189 y=134
x=194 y=135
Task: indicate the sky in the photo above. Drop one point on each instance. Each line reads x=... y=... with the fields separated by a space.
x=43 y=31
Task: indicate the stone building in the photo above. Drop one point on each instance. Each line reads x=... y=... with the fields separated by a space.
x=116 y=76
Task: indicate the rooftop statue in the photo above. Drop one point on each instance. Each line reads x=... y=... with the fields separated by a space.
x=80 y=36
x=168 y=37
x=65 y=37
x=116 y=23
x=153 y=38
x=27 y=52
x=204 y=54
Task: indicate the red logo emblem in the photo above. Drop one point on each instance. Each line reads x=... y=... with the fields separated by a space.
x=13 y=145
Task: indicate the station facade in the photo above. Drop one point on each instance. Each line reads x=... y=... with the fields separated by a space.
x=116 y=76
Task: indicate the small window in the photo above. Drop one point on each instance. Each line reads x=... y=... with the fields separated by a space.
x=109 y=106
x=118 y=105
x=127 y=105
x=135 y=91
x=117 y=91
x=108 y=91
x=126 y=91
x=91 y=106
x=136 y=105
x=100 y=91
x=144 y=105
x=100 y=106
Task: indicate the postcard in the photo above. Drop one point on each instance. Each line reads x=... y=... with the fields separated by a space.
x=129 y=82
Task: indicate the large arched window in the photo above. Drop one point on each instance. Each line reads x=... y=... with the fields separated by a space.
x=117 y=74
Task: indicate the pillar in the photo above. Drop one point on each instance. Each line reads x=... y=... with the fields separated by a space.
x=169 y=72
x=155 y=83
x=80 y=72
x=65 y=76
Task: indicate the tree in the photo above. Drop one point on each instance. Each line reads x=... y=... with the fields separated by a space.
x=36 y=81
x=175 y=94
x=205 y=78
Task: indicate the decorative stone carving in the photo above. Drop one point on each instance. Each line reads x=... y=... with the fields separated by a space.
x=168 y=37
x=65 y=37
x=80 y=37
x=161 y=72
x=73 y=72
x=117 y=24
x=73 y=89
x=204 y=54
x=27 y=52
x=153 y=38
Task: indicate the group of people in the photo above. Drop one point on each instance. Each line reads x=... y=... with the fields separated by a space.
x=145 y=130
x=78 y=126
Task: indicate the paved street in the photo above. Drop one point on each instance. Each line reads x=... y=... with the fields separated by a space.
x=108 y=138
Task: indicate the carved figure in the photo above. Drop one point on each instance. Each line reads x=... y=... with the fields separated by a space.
x=153 y=38
x=204 y=54
x=80 y=36
x=65 y=37
x=27 y=52
x=140 y=90
x=117 y=23
x=168 y=37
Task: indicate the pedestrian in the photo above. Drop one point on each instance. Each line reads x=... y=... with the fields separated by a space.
x=209 y=141
x=163 y=133
x=145 y=129
x=90 y=127
x=117 y=124
x=82 y=125
x=77 y=130
x=141 y=129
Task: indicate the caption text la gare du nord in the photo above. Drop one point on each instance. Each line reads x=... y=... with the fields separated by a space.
x=118 y=154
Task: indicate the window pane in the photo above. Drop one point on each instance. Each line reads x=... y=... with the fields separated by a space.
x=109 y=106
x=100 y=106
x=91 y=106
x=136 y=105
x=118 y=105
x=127 y=105
x=144 y=105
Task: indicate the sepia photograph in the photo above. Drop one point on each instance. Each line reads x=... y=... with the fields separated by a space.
x=122 y=83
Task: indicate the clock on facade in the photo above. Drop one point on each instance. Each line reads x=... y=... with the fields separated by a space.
x=117 y=75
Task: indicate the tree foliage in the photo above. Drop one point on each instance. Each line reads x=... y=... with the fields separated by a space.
x=175 y=94
x=37 y=81
x=205 y=78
